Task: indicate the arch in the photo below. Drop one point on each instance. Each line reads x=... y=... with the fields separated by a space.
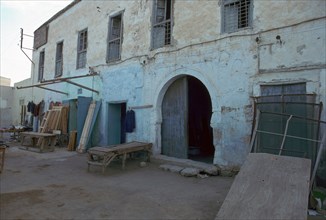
x=181 y=72
x=163 y=87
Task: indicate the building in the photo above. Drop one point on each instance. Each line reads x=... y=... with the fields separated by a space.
x=6 y=102
x=4 y=81
x=188 y=69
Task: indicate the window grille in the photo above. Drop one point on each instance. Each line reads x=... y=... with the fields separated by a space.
x=59 y=60
x=236 y=15
x=115 y=38
x=82 y=49
x=41 y=66
x=161 y=33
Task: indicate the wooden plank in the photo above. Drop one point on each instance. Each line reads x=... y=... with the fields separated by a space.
x=72 y=140
x=83 y=139
x=64 y=120
x=269 y=187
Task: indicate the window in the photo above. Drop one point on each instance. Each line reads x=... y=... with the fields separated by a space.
x=41 y=36
x=59 y=60
x=41 y=66
x=283 y=89
x=236 y=15
x=115 y=38
x=82 y=49
x=161 y=30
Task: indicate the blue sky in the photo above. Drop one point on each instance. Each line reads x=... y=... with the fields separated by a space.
x=29 y=15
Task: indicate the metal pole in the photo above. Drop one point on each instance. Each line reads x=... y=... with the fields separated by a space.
x=285 y=133
x=317 y=161
x=21 y=44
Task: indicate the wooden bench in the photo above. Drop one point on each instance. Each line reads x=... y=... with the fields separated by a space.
x=103 y=156
x=44 y=141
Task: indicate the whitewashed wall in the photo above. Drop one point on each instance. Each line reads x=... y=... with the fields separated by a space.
x=231 y=66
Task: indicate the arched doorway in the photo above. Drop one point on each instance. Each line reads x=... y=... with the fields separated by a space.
x=186 y=115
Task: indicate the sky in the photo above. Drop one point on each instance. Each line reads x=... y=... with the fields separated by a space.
x=29 y=15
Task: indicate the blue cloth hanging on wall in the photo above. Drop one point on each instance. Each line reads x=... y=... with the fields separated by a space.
x=130 y=122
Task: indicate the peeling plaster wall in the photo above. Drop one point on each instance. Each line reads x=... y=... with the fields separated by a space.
x=231 y=66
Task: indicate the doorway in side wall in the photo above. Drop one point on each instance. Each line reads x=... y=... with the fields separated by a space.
x=186 y=114
x=116 y=126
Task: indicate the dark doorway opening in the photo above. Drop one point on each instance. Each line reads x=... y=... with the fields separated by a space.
x=186 y=113
x=200 y=135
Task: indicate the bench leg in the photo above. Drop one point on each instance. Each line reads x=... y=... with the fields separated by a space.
x=124 y=157
x=22 y=141
x=53 y=142
x=148 y=154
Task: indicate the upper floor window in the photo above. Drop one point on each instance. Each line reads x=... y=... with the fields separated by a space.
x=236 y=14
x=162 y=20
x=59 y=60
x=115 y=38
x=82 y=49
x=41 y=36
x=41 y=66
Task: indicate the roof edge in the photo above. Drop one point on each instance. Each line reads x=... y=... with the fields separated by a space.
x=59 y=13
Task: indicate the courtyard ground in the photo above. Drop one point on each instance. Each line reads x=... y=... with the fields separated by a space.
x=57 y=185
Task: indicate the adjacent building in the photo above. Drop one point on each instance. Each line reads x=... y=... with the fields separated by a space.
x=6 y=102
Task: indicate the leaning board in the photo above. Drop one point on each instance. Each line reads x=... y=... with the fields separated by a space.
x=269 y=187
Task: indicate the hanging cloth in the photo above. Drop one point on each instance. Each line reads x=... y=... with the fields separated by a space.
x=130 y=122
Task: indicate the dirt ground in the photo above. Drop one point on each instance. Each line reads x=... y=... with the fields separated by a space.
x=57 y=185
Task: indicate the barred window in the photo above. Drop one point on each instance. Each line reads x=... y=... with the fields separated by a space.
x=115 y=38
x=41 y=66
x=59 y=60
x=161 y=30
x=82 y=49
x=236 y=14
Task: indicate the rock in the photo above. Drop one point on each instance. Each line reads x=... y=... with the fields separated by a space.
x=202 y=176
x=142 y=164
x=189 y=172
x=171 y=168
x=212 y=170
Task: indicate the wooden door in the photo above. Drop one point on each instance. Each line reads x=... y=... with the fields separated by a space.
x=175 y=120
x=114 y=124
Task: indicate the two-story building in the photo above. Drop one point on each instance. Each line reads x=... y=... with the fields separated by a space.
x=188 y=69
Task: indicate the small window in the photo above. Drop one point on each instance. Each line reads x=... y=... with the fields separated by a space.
x=161 y=30
x=41 y=66
x=115 y=38
x=283 y=89
x=236 y=15
x=82 y=49
x=59 y=60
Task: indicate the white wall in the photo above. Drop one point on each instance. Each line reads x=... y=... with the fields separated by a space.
x=231 y=66
x=6 y=106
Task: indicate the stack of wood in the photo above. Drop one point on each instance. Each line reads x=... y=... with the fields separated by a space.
x=53 y=120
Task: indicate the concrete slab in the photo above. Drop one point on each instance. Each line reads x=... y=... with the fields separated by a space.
x=269 y=187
